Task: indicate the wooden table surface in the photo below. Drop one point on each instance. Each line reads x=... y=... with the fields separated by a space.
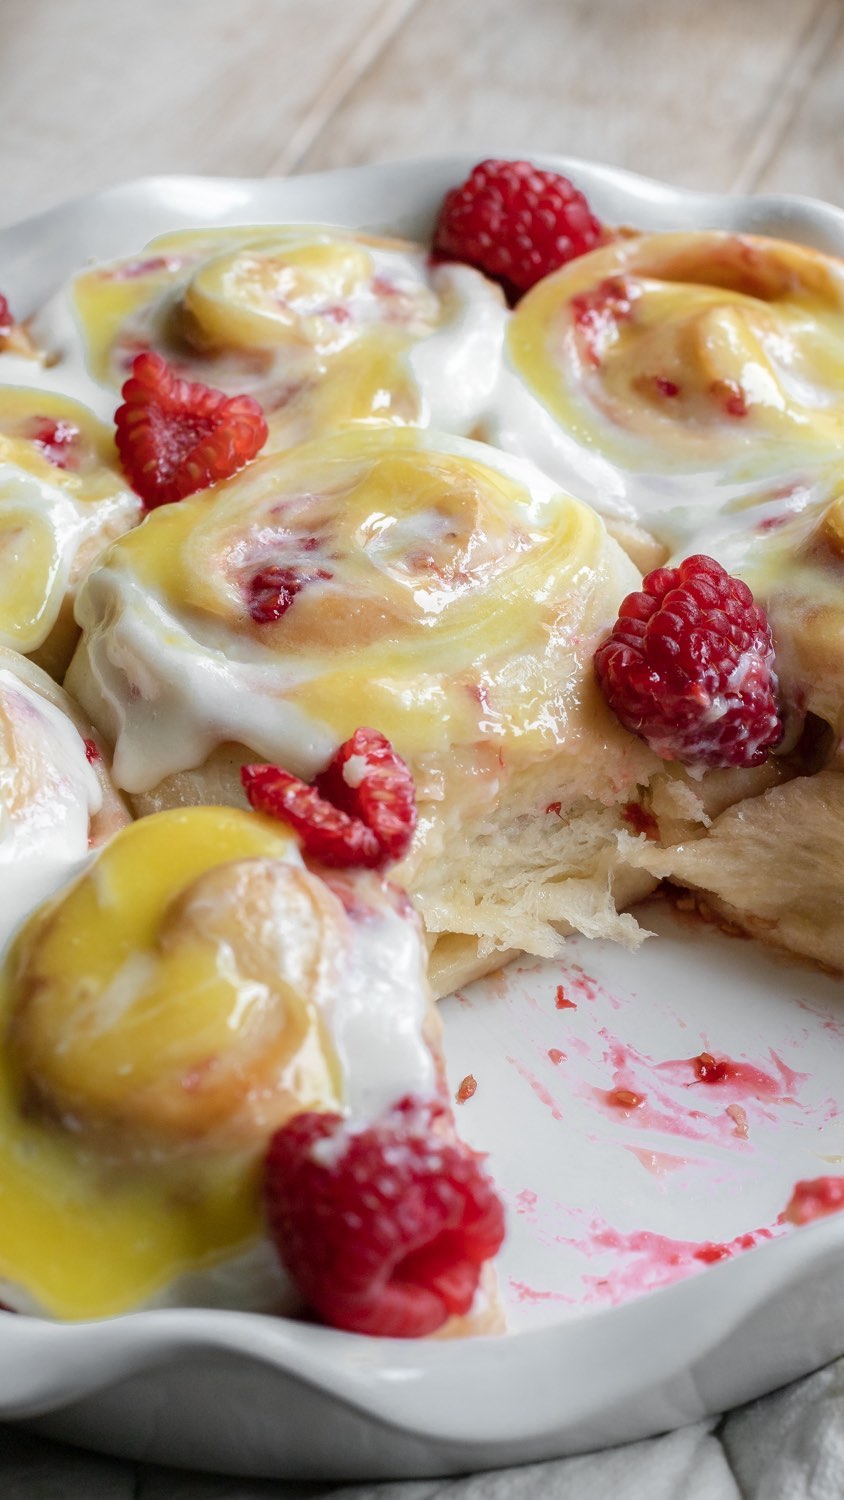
x=718 y=94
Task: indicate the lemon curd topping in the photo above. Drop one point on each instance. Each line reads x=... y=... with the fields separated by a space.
x=457 y=597
x=693 y=382
x=796 y=570
x=320 y=324
x=324 y=326
x=244 y=287
x=154 y=1034
x=36 y=422
x=297 y=287
x=683 y=351
x=195 y=987
x=55 y=511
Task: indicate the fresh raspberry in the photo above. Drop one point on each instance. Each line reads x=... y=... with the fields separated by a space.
x=383 y=1228
x=7 y=321
x=361 y=809
x=326 y=833
x=177 y=436
x=689 y=667
x=515 y=222
x=368 y=780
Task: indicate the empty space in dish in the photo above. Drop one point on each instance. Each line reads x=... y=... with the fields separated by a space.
x=646 y=1114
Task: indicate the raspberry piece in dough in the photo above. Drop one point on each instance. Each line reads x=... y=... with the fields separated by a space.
x=177 y=436
x=689 y=667
x=384 y=1228
x=516 y=222
x=271 y=591
x=57 y=440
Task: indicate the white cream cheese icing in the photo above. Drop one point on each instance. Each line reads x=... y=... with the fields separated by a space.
x=410 y=341
x=48 y=795
x=449 y=588
x=196 y=988
x=677 y=380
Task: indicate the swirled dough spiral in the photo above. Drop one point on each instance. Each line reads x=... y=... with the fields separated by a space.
x=444 y=593
x=324 y=326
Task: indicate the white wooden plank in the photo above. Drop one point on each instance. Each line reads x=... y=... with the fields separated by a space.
x=340 y=83
x=677 y=91
x=805 y=148
x=95 y=92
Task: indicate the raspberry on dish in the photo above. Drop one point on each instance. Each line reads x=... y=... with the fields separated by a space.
x=689 y=667
x=177 y=436
x=327 y=834
x=515 y=222
x=7 y=321
x=367 y=779
x=384 y=1227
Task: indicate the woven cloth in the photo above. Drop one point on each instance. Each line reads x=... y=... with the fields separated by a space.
x=788 y=1446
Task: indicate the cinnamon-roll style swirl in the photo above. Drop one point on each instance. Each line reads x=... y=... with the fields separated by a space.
x=195 y=987
x=445 y=593
x=62 y=498
x=678 y=381
x=324 y=326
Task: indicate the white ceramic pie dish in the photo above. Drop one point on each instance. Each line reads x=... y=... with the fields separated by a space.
x=604 y=1205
